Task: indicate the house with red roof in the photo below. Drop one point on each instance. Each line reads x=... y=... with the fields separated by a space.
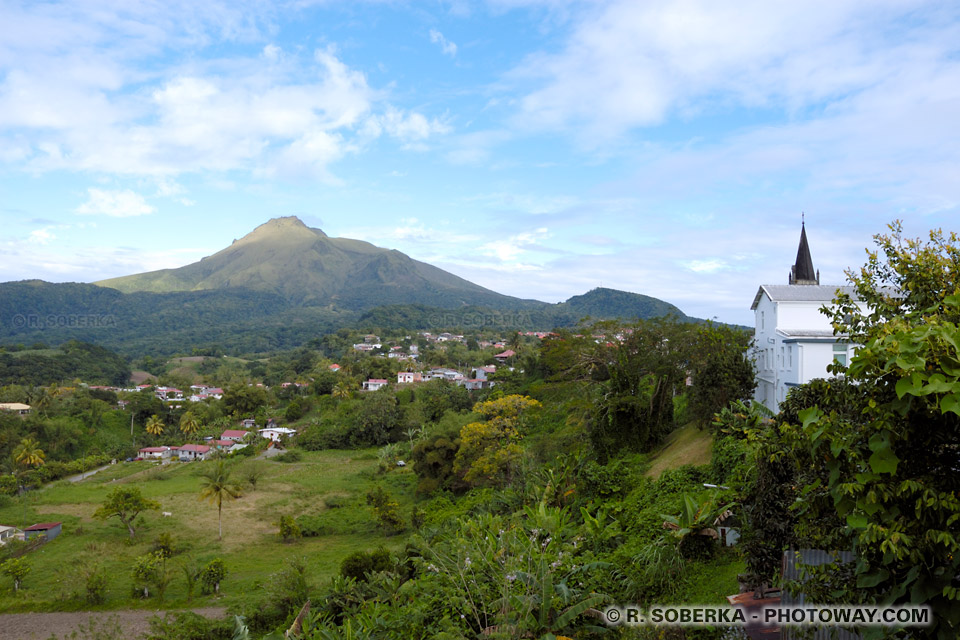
x=234 y=434
x=155 y=452
x=504 y=356
x=194 y=451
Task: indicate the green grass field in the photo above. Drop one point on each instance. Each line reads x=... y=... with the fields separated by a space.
x=686 y=445
x=328 y=483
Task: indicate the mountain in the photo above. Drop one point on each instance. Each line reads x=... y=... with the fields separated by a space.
x=306 y=267
x=281 y=286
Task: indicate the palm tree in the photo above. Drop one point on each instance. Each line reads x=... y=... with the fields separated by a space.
x=217 y=485
x=342 y=390
x=189 y=424
x=154 y=425
x=28 y=453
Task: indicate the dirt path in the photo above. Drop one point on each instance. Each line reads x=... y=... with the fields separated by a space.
x=87 y=474
x=40 y=626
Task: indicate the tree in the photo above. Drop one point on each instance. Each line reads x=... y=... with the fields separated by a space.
x=343 y=390
x=28 y=454
x=150 y=570
x=125 y=503
x=154 y=425
x=889 y=470
x=212 y=575
x=722 y=373
x=490 y=450
x=17 y=569
x=243 y=399
x=217 y=485
x=252 y=473
x=189 y=424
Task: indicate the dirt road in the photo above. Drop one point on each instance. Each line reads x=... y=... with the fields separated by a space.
x=40 y=626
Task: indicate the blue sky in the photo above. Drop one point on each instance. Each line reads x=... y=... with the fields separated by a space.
x=539 y=148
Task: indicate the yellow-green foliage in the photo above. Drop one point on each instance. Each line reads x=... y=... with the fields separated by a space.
x=489 y=450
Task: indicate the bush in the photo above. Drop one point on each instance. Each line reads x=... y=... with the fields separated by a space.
x=288 y=456
x=289 y=530
x=212 y=575
x=385 y=510
x=96 y=587
x=358 y=564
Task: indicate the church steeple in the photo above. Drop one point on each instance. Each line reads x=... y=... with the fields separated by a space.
x=802 y=271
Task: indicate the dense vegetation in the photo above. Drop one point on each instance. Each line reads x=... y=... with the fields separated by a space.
x=524 y=510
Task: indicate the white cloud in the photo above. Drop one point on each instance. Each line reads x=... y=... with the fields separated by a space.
x=629 y=64
x=448 y=48
x=509 y=249
x=41 y=236
x=116 y=204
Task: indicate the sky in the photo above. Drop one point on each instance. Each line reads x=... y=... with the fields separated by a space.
x=540 y=148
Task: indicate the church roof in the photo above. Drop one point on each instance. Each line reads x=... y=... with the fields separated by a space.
x=807 y=293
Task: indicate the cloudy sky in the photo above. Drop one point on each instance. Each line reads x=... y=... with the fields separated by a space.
x=540 y=148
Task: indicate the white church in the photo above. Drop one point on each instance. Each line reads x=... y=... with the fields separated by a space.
x=793 y=340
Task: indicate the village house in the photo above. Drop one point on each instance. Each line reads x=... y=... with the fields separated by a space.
x=409 y=377
x=15 y=407
x=442 y=373
x=235 y=435
x=193 y=452
x=483 y=373
x=334 y=367
x=9 y=533
x=375 y=384
x=248 y=423
x=793 y=340
x=277 y=433
x=49 y=530
x=475 y=384
x=503 y=356
x=157 y=453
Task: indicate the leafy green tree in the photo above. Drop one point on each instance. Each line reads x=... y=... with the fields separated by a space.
x=242 y=399
x=378 y=420
x=125 y=503
x=889 y=471
x=17 y=569
x=212 y=575
x=216 y=485
x=722 y=373
x=150 y=570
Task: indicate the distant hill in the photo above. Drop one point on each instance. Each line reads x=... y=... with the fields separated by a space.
x=281 y=286
x=308 y=268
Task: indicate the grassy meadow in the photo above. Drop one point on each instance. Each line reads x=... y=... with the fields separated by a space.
x=331 y=484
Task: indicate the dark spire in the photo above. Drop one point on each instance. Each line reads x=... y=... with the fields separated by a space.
x=802 y=272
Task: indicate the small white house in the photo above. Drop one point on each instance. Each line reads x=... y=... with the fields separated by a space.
x=277 y=433
x=8 y=533
x=234 y=434
x=156 y=453
x=408 y=377
x=375 y=384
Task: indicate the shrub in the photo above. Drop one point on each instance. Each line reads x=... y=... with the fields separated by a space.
x=358 y=564
x=288 y=456
x=385 y=510
x=96 y=587
x=289 y=530
x=212 y=575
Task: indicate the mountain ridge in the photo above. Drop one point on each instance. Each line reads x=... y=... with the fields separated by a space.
x=308 y=267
